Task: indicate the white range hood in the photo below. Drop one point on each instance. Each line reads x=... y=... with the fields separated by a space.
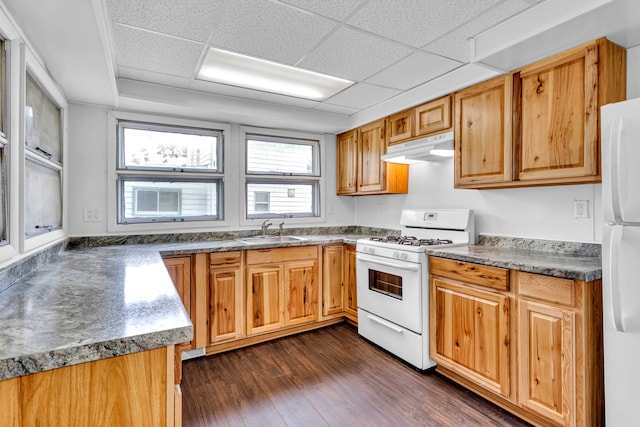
x=429 y=149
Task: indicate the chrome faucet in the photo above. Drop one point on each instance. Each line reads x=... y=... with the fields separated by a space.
x=281 y=228
x=265 y=225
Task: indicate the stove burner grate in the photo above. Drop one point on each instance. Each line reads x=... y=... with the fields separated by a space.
x=411 y=241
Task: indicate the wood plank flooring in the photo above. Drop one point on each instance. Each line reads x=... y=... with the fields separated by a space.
x=327 y=377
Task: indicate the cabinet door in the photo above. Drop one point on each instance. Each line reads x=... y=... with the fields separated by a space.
x=350 y=288
x=470 y=333
x=483 y=134
x=301 y=292
x=546 y=361
x=434 y=116
x=399 y=127
x=226 y=316
x=333 y=280
x=179 y=269
x=347 y=153
x=559 y=116
x=372 y=170
x=264 y=298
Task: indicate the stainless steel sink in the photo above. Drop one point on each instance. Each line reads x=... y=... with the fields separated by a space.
x=270 y=239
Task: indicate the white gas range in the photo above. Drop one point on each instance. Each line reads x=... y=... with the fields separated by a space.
x=393 y=280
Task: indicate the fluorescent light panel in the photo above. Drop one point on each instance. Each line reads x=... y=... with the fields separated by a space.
x=231 y=68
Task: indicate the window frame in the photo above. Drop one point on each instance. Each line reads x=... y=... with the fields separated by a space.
x=317 y=179
x=118 y=174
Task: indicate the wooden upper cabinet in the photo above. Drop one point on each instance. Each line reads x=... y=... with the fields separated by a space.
x=558 y=101
x=360 y=169
x=347 y=162
x=372 y=170
x=429 y=118
x=483 y=140
x=400 y=127
x=433 y=117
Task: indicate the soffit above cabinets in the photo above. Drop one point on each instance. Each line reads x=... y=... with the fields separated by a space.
x=399 y=53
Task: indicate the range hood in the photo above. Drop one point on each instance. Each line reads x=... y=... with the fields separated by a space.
x=429 y=149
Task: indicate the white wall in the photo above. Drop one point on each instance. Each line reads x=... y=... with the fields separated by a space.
x=88 y=172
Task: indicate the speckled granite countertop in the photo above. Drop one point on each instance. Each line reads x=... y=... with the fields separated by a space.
x=91 y=303
x=558 y=259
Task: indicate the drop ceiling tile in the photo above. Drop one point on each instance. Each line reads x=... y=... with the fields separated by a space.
x=336 y=9
x=416 y=22
x=153 y=52
x=413 y=70
x=221 y=89
x=354 y=55
x=267 y=30
x=338 y=109
x=287 y=100
x=166 y=16
x=362 y=95
x=456 y=44
x=152 y=77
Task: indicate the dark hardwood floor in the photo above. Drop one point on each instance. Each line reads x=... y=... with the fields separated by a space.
x=328 y=377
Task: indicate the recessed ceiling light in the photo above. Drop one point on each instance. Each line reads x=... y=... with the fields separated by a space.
x=231 y=68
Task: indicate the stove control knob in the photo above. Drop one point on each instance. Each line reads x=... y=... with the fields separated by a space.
x=369 y=250
x=399 y=255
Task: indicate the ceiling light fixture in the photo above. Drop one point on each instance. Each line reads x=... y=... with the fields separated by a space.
x=221 y=66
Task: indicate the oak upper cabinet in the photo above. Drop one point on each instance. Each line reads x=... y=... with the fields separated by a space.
x=470 y=325
x=558 y=101
x=350 y=289
x=559 y=349
x=373 y=176
x=282 y=288
x=226 y=297
x=430 y=118
x=482 y=134
x=179 y=269
x=333 y=280
x=347 y=162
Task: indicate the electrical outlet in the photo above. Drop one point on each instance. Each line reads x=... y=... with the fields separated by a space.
x=92 y=215
x=580 y=209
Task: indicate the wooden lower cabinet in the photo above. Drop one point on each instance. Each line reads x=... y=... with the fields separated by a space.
x=350 y=288
x=470 y=334
x=226 y=297
x=544 y=363
x=282 y=288
x=179 y=269
x=130 y=390
x=333 y=273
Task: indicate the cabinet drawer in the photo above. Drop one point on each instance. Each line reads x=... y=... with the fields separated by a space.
x=265 y=256
x=546 y=288
x=225 y=259
x=477 y=274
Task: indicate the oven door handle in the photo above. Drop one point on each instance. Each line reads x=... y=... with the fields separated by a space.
x=376 y=260
x=385 y=324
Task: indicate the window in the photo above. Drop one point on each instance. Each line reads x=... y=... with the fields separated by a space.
x=168 y=173
x=282 y=177
x=43 y=161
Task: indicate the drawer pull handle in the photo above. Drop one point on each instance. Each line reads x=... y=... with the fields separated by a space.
x=385 y=324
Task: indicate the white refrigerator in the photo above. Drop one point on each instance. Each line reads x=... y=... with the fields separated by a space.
x=620 y=127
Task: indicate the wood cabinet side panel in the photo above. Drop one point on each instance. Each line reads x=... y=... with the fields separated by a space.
x=350 y=288
x=124 y=390
x=10 y=402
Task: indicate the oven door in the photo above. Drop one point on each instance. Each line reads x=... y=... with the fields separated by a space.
x=390 y=289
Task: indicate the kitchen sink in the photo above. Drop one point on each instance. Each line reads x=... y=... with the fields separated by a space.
x=270 y=239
